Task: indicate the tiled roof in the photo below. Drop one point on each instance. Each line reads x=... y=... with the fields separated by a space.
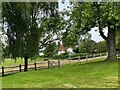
x=61 y=48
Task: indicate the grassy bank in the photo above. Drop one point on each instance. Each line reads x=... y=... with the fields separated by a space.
x=89 y=75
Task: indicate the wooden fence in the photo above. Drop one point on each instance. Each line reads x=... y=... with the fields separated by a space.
x=48 y=64
x=35 y=65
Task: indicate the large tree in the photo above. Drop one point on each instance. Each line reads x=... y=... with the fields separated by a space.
x=22 y=22
x=107 y=15
x=86 y=15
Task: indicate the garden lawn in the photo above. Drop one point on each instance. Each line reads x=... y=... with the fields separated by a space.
x=90 y=75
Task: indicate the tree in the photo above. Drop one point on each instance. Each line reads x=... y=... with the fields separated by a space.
x=70 y=38
x=50 y=50
x=103 y=15
x=22 y=21
x=102 y=46
x=1 y=58
x=77 y=26
x=50 y=27
x=76 y=49
x=108 y=16
x=87 y=46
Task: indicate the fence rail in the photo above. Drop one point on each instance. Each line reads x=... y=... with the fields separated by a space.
x=48 y=64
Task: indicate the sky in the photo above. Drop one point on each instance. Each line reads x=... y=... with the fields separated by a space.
x=94 y=31
x=96 y=35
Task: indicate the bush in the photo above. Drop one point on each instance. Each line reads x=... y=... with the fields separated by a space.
x=61 y=56
x=66 y=55
x=76 y=49
x=75 y=56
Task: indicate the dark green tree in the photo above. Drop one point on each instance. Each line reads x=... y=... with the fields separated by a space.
x=50 y=50
x=22 y=22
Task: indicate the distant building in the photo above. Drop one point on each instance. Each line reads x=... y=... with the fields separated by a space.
x=70 y=50
x=61 y=49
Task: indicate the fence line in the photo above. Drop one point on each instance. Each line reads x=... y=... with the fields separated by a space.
x=35 y=65
x=48 y=64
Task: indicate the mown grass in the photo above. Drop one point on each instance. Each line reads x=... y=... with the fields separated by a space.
x=11 y=62
x=85 y=75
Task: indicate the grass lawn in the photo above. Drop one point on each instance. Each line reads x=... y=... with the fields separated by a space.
x=89 y=75
x=9 y=62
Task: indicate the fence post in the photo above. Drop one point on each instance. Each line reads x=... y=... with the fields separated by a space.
x=86 y=57
x=94 y=56
x=118 y=54
x=59 y=63
x=106 y=54
x=2 y=71
x=20 y=67
x=69 y=59
x=48 y=64
x=78 y=59
x=35 y=66
x=100 y=55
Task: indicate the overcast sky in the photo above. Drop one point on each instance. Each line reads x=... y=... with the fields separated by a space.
x=95 y=34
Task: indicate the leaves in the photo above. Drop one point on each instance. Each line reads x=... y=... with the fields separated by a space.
x=23 y=19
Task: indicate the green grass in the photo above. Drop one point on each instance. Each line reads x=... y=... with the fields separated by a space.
x=89 y=75
x=9 y=62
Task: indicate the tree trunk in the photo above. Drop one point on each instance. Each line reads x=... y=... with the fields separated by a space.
x=111 y=45
x=26 y=62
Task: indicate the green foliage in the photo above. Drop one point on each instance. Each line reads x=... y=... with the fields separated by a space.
x=70 y=38
x=22 y=33
x=73 y=56
x=86 y=15
x=82 y=17
x=50 y=26
x=101 y=46
x=1 y=51
x=50 y=50
x=109 y=14
x=6 y=52
x=76 y=49
x=61 y=56
x=23 y=20
x=87 y=46
x=80 y=22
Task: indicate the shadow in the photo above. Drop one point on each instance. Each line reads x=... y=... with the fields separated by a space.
x=17 y=71
x=9 y=73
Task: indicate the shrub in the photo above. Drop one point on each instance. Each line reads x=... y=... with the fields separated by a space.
x=61 y=56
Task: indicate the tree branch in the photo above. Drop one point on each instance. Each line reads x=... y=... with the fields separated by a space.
x=47 y=43
x=102 y=34
x=98 y=19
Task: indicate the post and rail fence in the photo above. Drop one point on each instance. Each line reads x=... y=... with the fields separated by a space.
x=35 y=65
x=49 y=64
